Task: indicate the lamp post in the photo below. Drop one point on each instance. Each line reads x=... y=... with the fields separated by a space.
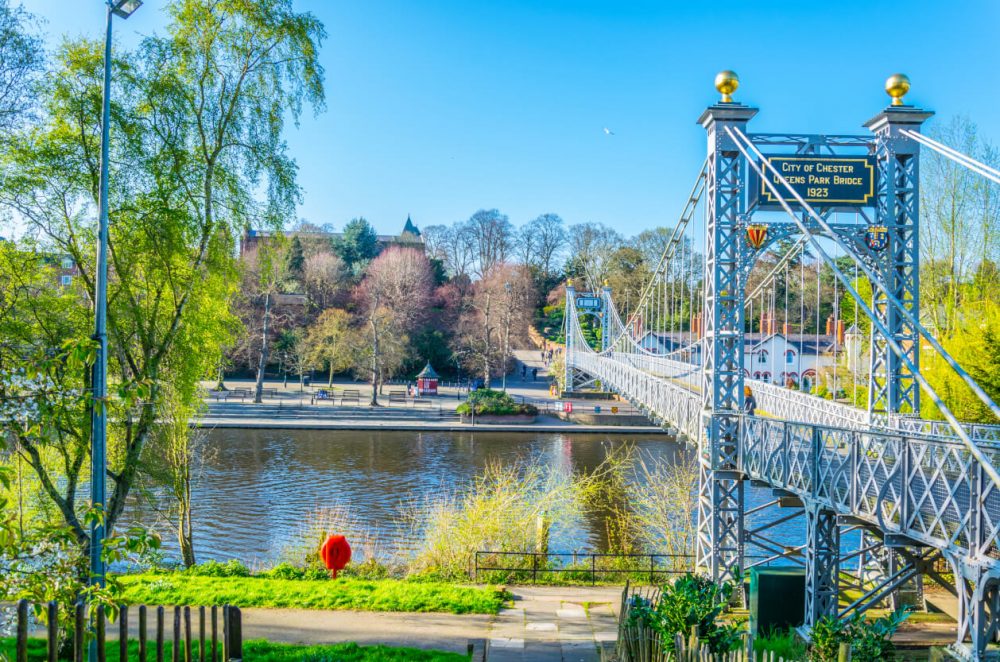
x=506 y=333
x=99 y=386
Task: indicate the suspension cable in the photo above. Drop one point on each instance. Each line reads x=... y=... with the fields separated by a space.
x=955 y=155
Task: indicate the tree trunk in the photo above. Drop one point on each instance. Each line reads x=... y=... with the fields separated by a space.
x=258 y=396
x=375 y=357
x=185 y=537
x=330 y=382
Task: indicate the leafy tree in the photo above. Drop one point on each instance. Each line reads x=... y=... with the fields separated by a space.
x=331 y=342
x=21 y=60
x=358 y=245
x=197 y=131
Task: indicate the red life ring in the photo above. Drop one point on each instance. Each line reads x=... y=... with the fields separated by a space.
x=336 y=554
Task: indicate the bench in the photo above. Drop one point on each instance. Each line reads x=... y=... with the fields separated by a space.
x=350 y=395
x=397 y=396
x=423 y=402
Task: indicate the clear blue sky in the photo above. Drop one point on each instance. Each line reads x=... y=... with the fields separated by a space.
x=437 y=108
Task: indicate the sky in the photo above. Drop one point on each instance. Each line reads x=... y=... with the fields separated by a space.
x=438 y=108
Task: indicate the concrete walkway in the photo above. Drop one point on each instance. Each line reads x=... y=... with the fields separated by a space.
x=545 y=624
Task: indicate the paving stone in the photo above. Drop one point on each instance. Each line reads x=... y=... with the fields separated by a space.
x=572 y=611
x=541 y=627
x=543 y=651
x=580 y=652
x=506 y=642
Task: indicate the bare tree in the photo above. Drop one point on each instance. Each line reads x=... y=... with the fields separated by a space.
x=498 y=314
x=549 y=239
x=394 y=295
x=592 y=246
x=492 y=235
x=323 y=278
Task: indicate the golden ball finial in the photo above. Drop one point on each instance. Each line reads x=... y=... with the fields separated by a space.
x=726 y=83
x=569 y=282
x=896 y=86
x=607 y=283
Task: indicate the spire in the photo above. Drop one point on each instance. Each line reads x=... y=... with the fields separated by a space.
x=410 y=227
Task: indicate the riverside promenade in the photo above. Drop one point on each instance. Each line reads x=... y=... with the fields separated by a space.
x=292 y=406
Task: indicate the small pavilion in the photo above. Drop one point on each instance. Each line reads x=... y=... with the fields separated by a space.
x=427 y=381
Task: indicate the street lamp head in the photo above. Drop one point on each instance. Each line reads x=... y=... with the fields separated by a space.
x=124 y=8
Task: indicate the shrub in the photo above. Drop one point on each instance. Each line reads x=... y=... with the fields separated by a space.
x=231 y=568
x=870 y=640
x=487 y=402
x=689 y=601
x=289 y=571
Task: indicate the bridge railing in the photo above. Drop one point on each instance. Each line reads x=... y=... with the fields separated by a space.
x=930 y=490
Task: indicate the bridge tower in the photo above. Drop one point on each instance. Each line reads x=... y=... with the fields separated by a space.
x=720 y=487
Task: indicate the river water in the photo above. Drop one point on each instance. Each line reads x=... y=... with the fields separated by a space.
x=256 y=491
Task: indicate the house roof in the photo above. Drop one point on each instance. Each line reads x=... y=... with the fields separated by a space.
x=806 y=343
x=427 y=372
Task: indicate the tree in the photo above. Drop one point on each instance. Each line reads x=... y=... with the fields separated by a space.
x=358 y=245
x=331 y=342
x=393 y=296
x=591 y=246
x=197 y=127
x=550 y=240
x=295 y=261
x=323 y=279
x=492 y=236
x=22 y=57
x=495 y=316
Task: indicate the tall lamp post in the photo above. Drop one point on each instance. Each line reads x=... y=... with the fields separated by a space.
x=506 y=334
x=99 y=387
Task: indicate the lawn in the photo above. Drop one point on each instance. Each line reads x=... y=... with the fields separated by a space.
x=344 y=593
x=265 y=651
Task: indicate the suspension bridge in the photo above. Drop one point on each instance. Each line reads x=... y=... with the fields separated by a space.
x=922 y=497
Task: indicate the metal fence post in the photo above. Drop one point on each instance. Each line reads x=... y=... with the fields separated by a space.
x=22 y=631
x=593 y=569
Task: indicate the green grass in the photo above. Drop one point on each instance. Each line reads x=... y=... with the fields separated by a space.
x=343 y=593
x=266 y=651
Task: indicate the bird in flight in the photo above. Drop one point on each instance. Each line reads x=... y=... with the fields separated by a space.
x=608 y=132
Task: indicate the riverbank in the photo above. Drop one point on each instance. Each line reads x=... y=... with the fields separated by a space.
x=344 y=406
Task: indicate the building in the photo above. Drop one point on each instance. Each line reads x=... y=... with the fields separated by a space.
x=409 y=237
x=778 y=358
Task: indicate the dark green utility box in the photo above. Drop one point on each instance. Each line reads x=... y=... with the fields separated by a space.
x=777 y=599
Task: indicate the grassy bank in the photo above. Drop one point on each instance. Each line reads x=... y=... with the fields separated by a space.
x=343 y=593
x=266 y=651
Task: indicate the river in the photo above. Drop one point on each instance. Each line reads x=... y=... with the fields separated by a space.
x=255 y=491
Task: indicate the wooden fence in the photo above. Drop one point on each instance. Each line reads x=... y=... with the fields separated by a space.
x=201 y=644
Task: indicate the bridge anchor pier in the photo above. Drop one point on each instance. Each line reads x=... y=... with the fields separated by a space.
x=822 y=562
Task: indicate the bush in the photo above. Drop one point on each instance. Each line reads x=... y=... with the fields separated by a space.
x=869 y=640
x=487 y=402
x=689 y=601
x=231 y=568
x=289 y=571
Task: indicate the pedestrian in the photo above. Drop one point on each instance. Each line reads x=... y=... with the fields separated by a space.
x=749 y=402
x=524 y=371
x=409 y=390
x=534 y=374
x=543 y=354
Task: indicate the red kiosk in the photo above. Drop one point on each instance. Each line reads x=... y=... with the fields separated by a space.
x=427 y=381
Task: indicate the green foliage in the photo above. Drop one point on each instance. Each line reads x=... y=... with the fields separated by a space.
x=231 y=568
x=687 y=602
x=870 y=640
x=289 y=571
x=786 y=645
x=487 y=402
x=342 y=593
x=295 y=260
x=357 y=245
x=265 y=651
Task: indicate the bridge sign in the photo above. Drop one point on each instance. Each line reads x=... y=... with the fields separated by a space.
x=820 y=180
x=588 y=303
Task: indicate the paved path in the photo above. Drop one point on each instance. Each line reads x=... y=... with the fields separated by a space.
x=545 y=624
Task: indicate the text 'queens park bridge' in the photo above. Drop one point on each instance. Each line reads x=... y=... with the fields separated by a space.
x=919 y=496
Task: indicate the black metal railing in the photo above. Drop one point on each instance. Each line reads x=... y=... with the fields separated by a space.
x=577 y=566
x=202 y=645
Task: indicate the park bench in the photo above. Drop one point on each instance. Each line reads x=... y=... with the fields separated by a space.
x=423 y=402
x=241 y=393
x=350 y=395
x=397 y=396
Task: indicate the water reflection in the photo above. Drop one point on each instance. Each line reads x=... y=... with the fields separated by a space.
x=257 y=487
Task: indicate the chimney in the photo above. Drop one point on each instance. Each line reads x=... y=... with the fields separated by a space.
x=840 y=332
